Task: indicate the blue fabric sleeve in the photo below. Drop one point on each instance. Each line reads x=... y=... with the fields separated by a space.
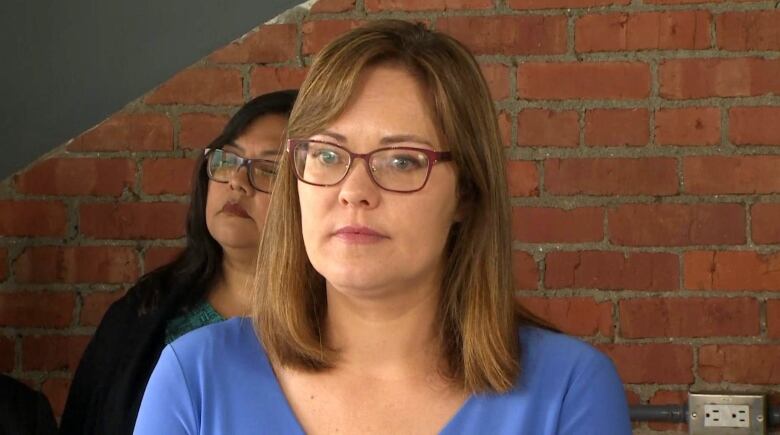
x=167 y=406
x=595 y=402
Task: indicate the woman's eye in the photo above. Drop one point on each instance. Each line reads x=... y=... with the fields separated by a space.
x=326 y=157
x=404 y=163
x=266 y=170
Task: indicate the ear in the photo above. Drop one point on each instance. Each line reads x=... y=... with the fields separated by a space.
x=462 y=210
x=465 y=202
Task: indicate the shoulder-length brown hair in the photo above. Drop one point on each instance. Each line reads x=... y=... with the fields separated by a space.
x=478 y=318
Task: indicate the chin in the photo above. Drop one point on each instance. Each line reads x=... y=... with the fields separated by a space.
x=355 y=277
x=238 y=241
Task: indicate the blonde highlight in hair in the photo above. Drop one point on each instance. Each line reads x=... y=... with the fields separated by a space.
x=478 y=318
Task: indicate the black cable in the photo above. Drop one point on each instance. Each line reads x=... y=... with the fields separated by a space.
x=668 y=413
x=679 y=414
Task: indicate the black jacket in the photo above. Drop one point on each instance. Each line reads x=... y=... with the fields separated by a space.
x=24 y=411
x=108 y=385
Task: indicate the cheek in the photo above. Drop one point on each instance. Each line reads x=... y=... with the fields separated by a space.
x=313 y=202
x=213 y=202
x=260 y=209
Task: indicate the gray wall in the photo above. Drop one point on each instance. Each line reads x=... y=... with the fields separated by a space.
x=67 y=65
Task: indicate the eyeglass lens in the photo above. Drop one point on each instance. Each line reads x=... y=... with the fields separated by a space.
x=221 y=165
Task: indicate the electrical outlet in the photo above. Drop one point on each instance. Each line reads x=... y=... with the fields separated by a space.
x=726 y=414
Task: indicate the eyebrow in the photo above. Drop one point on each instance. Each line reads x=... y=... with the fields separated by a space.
x=387 y=140
x=266 y=153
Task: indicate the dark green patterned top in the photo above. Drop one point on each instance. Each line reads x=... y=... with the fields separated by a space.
x=202 y=315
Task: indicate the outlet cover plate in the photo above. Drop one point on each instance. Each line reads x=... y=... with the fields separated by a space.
x=697 y=413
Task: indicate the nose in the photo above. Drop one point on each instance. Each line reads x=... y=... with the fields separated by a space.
x=239 y=181
x=358 y=189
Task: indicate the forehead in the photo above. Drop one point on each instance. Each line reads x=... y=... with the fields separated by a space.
x=262 y=136
x=387 y=99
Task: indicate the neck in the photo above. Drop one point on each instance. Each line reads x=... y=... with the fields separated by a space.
x=391 y=337
x=231 y=293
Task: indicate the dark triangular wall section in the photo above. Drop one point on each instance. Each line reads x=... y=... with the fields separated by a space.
x=67 y=65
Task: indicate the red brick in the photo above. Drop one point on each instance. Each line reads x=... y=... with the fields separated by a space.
x=754 y=125
x=577 y=316
x=82 y=264
x=689 y=317
x=7 y=354
x=540 y=127
x=269 y=43
x=721 y=174
x=764 y=219
x=632 y=398
x=752 y=30
x=677 y=224
x=140 y=220
x=602 y=80
x=688 y=126
x=199 y=129
x=430 y=5
x=95 y=304
x=53 y=352
x=268 y=79
x=81 y=176
x=56 y=390
x=551 y=225
x=773 y=318
x=523 y=178
x=210 y=86
x=560 y=4
x=19 y=218
x=505 y=128
x=615 y=176
x=652 y=363
x=36 y=309
x=667 y=397
x=508 y=34
x=316 y=34
x=609 y=270
x=497 y=77
x=524 y=271
x=128 y=132
x=643 y=31
x=159 y=256
x=3 y=264
x=703 y=78
x=617 y=127
x=731 y=270
x=167 y=176
x=744 y=364
x=330 y=6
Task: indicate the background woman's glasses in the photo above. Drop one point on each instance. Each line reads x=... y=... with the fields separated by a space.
x=221 y=165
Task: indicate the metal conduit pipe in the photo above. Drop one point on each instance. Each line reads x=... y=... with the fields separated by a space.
x=668 y=413
x=679 y=414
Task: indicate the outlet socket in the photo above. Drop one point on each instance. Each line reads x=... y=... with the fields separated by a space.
x=726 y=415
x=721 y=414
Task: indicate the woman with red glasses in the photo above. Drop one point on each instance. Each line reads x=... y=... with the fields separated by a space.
x=205 y=284
x=384 y=303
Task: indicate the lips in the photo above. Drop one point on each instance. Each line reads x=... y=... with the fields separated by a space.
x=235 y=209
x=359 y=235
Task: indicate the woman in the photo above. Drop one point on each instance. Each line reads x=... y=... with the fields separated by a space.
x=24 y=411
x=205 y=284
x=385 y=305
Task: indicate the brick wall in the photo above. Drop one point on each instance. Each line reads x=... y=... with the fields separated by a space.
x=644 y=147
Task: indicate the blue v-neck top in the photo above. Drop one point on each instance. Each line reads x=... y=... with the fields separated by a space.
x=218 y=380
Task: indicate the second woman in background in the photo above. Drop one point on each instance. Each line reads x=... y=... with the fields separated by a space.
x=203 y=285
